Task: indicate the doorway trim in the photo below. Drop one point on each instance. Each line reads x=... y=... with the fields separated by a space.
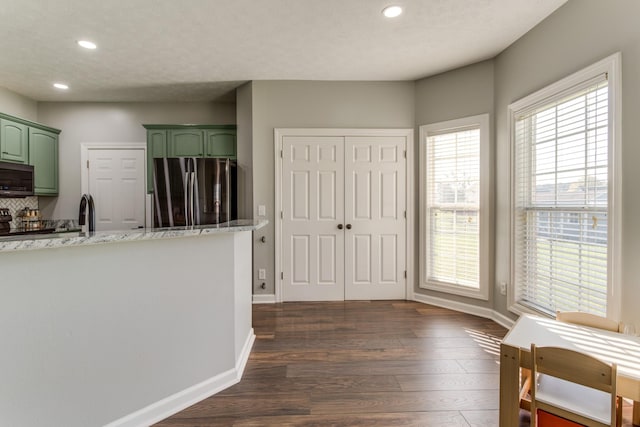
x=408 y=133
x=85 y=147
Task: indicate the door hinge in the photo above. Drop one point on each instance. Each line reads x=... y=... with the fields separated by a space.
x=87 y=164
x=281 y=215
x=405 y=154
x=281 y=154
x=405 y=214
x=405 y=274
x=282 y=275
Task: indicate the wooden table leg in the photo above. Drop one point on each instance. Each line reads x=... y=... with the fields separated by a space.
x=509 y=385
x=636 y=413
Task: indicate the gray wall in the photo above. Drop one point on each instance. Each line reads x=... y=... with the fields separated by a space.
x=464 y=92
x=111 y=122
x=244 y=120
x=280 y=104
x=17 y=105
x=575 y=36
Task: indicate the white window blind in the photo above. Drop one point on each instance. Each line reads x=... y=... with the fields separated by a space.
x=561 y=200
x=453 y=207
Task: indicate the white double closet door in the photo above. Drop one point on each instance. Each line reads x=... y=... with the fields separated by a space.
x=343 y=218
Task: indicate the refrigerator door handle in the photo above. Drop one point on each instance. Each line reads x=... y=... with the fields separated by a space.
x=192 y=198
x=186 y=197
x=227 y=173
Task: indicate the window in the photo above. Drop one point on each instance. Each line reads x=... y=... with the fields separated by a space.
x=563 y=191
x=454 y=206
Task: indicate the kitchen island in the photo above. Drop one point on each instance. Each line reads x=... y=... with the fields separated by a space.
x=122 y=328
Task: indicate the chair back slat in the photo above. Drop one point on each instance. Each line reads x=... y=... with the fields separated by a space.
x=588 y=319
x=574 y=367
x=578 y=368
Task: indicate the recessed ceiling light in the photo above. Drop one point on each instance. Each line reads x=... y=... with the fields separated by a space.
x=392 y=11
x=87 y=44
x=61 y=86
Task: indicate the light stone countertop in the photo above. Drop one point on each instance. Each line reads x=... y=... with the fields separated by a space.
x=58 y=240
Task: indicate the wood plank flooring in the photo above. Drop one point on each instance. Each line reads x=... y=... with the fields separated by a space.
x=378 y=363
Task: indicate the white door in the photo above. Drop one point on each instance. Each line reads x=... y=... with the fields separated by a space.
x=312 y=210
x=375 y=229
x=343 y=218
x=116 y=183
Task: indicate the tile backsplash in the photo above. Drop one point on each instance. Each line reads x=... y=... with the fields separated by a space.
x=16 y=205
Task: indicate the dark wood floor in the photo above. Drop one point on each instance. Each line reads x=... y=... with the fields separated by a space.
x=382 y=363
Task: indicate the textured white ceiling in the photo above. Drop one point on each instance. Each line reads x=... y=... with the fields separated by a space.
x=200 y=50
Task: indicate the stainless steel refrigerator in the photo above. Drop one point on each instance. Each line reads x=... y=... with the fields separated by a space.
x=193 y=191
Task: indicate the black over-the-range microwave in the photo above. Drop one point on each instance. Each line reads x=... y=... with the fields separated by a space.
x=16 y=180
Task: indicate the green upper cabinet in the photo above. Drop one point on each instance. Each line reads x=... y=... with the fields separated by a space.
x=23 y=141
x=14 y=141
x=157 y=143
x=43 y=156
x=156 y=149
x=220 y=143
x=186 y=143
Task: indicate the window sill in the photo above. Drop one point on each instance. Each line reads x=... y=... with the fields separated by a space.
x=481 y=294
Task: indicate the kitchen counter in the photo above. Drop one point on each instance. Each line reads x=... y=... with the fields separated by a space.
x=57 y=240
x=122 y=328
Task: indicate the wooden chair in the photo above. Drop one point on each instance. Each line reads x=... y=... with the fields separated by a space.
x=594 y=321
x=574 y=386
x=578 y=318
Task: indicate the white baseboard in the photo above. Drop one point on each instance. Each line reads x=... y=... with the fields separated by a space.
x=485 y=312
x=168 y=406
x=503 y=320
x=264 y=299
x=241 y=363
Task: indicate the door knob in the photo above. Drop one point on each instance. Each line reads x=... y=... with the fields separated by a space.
x=339 y=226
x=348 y=226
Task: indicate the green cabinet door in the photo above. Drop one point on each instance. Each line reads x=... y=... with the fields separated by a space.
x=43 y=156
x=156 y=149
x=186 y=143
x=14 y=141
x=220 y=143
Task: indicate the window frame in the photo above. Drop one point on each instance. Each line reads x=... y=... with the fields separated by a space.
x=610 y=65
x=481 y=121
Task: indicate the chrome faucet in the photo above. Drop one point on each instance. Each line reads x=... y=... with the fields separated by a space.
x=85 y=201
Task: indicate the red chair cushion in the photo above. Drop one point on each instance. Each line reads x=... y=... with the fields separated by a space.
x=546 y=419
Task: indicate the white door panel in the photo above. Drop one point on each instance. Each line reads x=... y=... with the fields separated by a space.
x=375 y=209
x=312 y=208
x=116 y=182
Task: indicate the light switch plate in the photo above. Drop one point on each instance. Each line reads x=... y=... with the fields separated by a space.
x=262 y=210
x=262 y=273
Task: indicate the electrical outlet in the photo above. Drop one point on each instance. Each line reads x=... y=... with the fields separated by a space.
x=503 y=288
x=262 y=273
x=262 y=210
